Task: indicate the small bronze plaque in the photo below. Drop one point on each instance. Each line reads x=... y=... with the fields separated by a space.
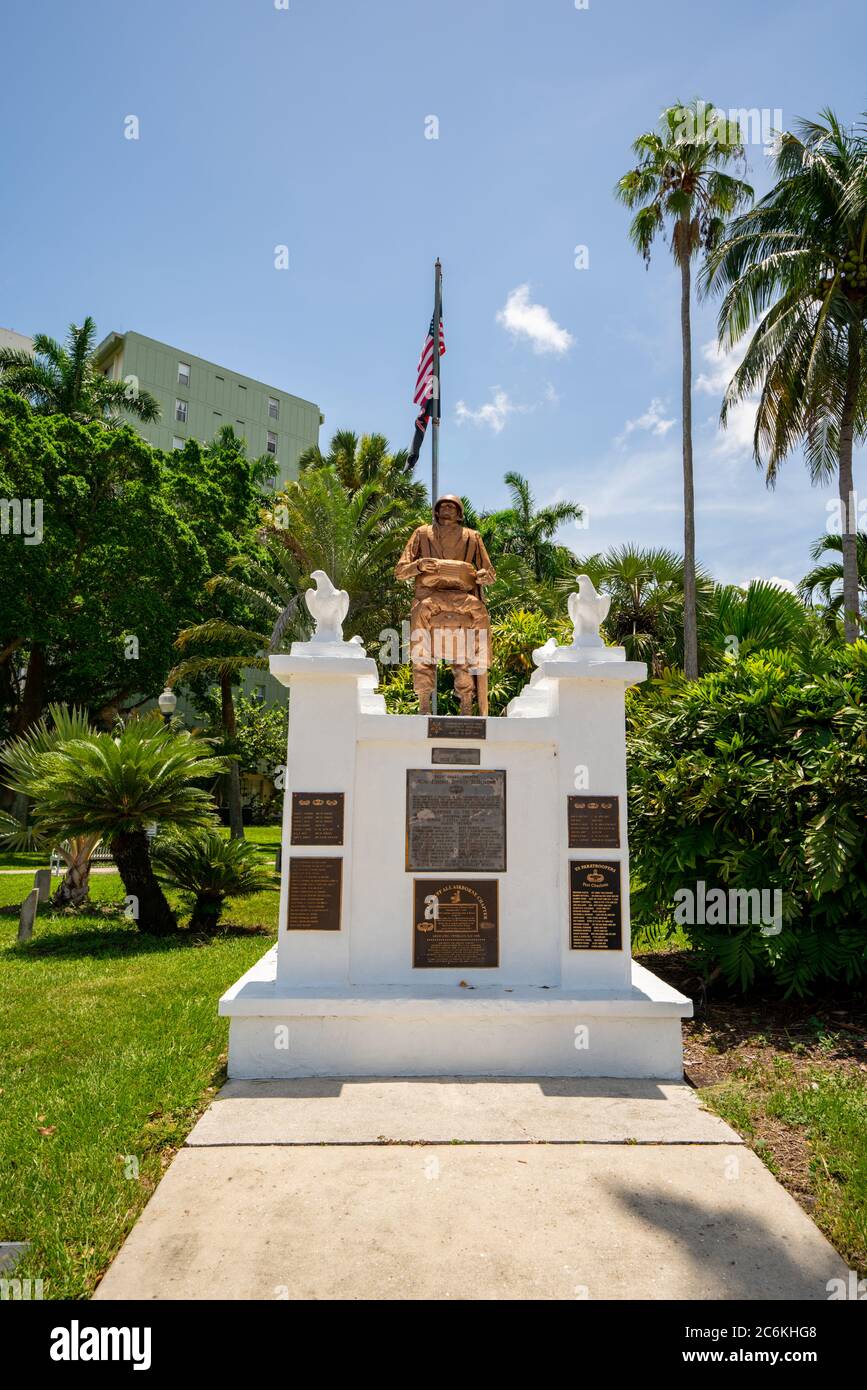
x=317 y=818
x=472 y=756
x=456 y=821
x=594 y=822
x=595 y=905
x=455 y=726
x=314 y=894
x=455 y=925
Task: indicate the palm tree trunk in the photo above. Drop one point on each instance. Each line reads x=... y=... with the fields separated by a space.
x=233 y=776
x=74 y=887
x=851 y=595
x=150 y=908
x=690 y=638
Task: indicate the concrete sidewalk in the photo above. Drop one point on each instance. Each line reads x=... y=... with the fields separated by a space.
x=468 y=1189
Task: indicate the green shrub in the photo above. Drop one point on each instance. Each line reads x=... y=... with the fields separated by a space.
x=755 y=777
x=211 y=868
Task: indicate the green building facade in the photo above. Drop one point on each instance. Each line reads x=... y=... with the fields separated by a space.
x=198 y=397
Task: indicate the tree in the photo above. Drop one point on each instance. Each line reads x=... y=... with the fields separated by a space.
x=826 y=578
x=679 y=182
x=647 y=600
x=115 y=786
x=527 y=531
x=367 y=460
x=796 y=267
x=59 y=380
x=211 y=868
x=24 y=758
x=89 y=609
x=220 y=489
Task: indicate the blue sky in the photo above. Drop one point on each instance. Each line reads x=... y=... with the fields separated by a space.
x=305 y=126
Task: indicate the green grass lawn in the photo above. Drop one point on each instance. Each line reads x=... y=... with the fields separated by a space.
x=111 y=1049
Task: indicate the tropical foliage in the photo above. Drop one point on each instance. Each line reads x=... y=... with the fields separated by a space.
x=679 y=185
x=64 y=380
x=117 y=786
x=204 y=864
x=754 y=778
x=794 y=269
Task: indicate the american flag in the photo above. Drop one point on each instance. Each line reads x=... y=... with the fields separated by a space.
x=424 y=388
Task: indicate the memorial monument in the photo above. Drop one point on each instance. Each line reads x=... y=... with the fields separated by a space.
x=455 y=891
x=450 y=568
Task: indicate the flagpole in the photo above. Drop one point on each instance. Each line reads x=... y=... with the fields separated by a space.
x=435 y=416
x=435 y=403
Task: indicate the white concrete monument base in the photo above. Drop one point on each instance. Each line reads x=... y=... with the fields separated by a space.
x=341 y=994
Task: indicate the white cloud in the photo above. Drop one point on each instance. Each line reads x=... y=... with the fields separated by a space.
x=653 y=421
x=774 y=579
x=525 y=320
x=736 y=440
x=495 y=412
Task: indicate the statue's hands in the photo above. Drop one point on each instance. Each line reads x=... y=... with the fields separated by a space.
x=483 y=577
x=428 y=566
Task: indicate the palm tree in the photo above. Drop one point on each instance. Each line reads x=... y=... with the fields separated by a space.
x=796 y=267
x=316 y=523
x=212 y=868
x=60 y=380
x=647 y=598
x=826 y=578
x=679 y=182
x=367 y=460
x=527 y=531
x=759 y=616
x=115 y=786
x=24 y=757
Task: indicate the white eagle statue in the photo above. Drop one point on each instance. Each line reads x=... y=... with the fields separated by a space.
x=328 y=606
x=587 y=609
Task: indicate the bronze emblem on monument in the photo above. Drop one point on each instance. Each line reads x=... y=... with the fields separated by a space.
x=449 y=567
x=456 y=925
x=456 y=820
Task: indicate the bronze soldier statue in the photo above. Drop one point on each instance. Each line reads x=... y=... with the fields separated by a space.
x=450 y=567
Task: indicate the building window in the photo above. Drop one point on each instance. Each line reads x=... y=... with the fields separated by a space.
x=178 y=443
x=273 y=408
x=181 y=411
x=183 y=373
x=271 y=446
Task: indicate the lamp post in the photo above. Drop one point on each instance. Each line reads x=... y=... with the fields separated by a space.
x=167 y=703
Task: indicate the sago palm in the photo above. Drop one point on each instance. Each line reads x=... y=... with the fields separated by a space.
x=24 y=758
x=115 y=786
x=211 y=868
x=64 y=380
x=794 y=269
x=680 y=185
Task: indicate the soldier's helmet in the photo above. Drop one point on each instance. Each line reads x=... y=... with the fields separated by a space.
x=449 y=497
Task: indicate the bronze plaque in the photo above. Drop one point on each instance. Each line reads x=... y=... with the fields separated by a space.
x=455 y=726
x=317 y=818
x=594 y=822
x=456 y=820
x=455 y=925
x=314 y=894
x=594 y=905
x=472 y=756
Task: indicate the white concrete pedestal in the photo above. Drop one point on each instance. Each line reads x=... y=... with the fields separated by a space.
x=350 y=1002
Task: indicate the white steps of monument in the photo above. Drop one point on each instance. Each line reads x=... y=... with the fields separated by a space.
x=258 y=993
